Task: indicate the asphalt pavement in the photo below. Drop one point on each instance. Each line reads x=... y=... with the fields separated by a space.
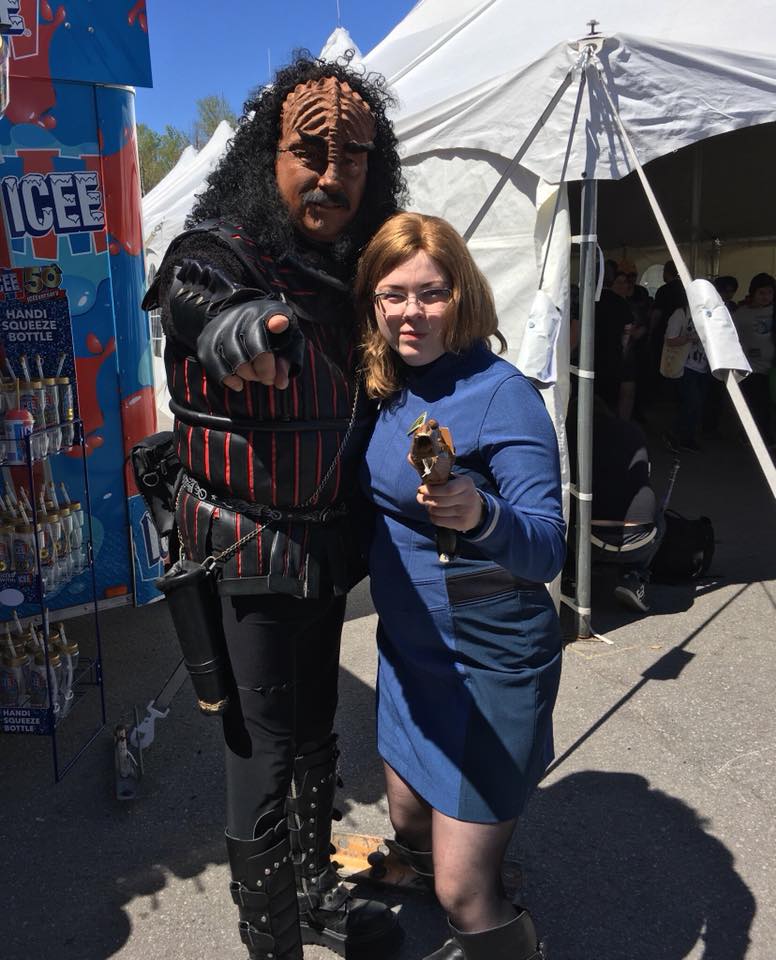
x=652 y=838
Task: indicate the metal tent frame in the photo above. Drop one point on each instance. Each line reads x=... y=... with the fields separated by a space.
x=589 y=69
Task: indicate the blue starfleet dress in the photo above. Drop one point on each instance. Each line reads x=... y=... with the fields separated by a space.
x=469 y=652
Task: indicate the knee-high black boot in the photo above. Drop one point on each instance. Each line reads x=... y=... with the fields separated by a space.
x=328 y=914
x=264 y=889
x=515 y=940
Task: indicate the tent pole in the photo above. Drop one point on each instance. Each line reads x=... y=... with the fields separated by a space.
x=697 y=185
x=584 y=492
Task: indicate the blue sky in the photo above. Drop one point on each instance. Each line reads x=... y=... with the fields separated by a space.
x=199 y=47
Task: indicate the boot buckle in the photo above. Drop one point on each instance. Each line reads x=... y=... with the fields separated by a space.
x=256 y=939
x=250 y=899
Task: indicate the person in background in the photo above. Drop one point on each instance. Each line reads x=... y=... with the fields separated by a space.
x=668 y=299
x=641 y=304
x=694 y=382
x=756 y=330
x=638 y=294
x=469 y=650
x=714 y=407
x=726 y=287
x=634 y=334
x=613 y=319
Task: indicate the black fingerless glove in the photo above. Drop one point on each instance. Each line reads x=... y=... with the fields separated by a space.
x=225 y=323
x=238 y=334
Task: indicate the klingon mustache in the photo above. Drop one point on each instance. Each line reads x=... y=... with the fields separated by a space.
x=323 y=199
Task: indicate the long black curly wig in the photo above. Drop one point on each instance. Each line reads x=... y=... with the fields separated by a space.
x=242 y=188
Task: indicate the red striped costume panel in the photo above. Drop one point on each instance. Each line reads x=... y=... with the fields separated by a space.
x=282 y=460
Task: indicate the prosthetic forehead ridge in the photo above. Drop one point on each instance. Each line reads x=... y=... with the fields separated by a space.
x=330 y=109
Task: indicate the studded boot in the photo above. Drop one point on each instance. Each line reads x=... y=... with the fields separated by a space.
x=263 y=887
x=515 y=940
x=328 y=914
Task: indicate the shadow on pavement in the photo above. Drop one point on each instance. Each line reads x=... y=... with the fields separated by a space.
x=360 y=767
x=619 y=871
x=75 y=857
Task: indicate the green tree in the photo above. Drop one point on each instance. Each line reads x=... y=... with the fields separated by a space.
x=210 y=112
x=148 y=155
x=172 y=143
x=158 y=153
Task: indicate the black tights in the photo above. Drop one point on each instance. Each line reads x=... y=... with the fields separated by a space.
x=285 y=658
x=467 y=856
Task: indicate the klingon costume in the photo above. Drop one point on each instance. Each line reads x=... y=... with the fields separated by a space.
x=311 y=174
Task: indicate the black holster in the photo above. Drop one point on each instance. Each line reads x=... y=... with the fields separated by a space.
x=190 y=589
x=158 y=473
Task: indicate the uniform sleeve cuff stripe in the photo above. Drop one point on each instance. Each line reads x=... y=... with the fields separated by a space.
x=495 y=509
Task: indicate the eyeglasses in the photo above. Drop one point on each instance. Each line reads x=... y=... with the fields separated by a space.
x=432 y=299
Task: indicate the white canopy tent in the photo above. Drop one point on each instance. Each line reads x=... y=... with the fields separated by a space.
x=473 y=76
x=166 y=207
x=341 y=44
x=481 y=83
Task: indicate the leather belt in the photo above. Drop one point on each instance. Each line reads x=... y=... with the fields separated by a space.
x=260 y=512
x=194 y=418
x=462 y=587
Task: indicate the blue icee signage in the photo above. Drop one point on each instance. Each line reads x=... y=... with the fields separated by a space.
x=38 y=203
x=11 y=21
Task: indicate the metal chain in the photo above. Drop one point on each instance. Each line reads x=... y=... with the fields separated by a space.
x=181 y=547
x=230 y=551
x=338 y=455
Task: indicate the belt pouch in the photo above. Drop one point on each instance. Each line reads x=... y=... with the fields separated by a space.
x=158 y=473
x=190 y=589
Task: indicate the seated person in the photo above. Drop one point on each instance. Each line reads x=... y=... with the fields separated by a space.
x=628 y=522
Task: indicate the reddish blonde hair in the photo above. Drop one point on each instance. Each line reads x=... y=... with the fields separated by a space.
x=471 y=311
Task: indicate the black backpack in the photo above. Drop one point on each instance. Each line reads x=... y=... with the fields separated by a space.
x=686 y=550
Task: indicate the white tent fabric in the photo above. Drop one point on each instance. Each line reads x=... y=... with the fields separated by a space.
x=166 y=207
x=473 y=76
x=154 y=196
x=669 y=95
x=487 y=39
x=338 y=44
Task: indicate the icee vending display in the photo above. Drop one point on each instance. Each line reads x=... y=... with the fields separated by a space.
x=76 y=388
x=75 y=350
